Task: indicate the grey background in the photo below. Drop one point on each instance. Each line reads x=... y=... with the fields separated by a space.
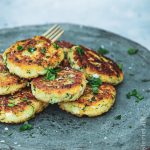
x=129 y=18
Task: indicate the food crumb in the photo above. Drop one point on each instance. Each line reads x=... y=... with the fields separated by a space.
x=6 y=129
x=15 y=143
x=130 y=68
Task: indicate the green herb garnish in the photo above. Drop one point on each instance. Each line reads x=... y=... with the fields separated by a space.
x=118 y=117
x=120 y=66
x=52 y=73
x=56 y=46
x=43 y=50
x=136 y=94
x=19 y=48
x=102 y=51
x=11 y=104
x=94 y=83
x=130 y=126
x=92 y=99
x=24 y=98
x=80 y=50
x=31 y=49
x=26 y=126
x=132 y=51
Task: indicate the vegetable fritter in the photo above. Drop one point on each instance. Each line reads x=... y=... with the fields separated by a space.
x=65 y=85
x=88 y=61
x=9 y=83
x=90 y=104
x=19 y=107
x=29 y=58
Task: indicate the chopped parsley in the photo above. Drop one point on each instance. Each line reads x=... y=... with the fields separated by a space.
x=136 y=94
x=19 y=48
x=31 y=49
x=11 y=104
x=26 y=126
x=132 y=51
x=24 y=98
x=102 y=51
x=130 y=126
x=43 y=50
x=120 y=66
x=28 y=71
x=56 y=46
x=94 y=83
x=80 y=50
x=92 y=99
x=52 y=73
x=118 y=117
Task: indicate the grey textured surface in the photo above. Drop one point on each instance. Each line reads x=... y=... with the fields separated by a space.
x=57 y=130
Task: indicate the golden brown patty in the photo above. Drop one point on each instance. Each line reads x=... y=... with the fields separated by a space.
x=19 y=107
x=90 y=104
x=9 y=83
x=69 y=85
x=29 y=58
x=91 y=63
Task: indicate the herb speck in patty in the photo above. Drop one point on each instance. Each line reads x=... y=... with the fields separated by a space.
x=95 y=84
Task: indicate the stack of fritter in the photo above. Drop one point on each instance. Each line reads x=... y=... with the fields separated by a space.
x=77 y=78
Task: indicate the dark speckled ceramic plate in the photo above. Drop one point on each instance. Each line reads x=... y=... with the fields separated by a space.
x=57 y=130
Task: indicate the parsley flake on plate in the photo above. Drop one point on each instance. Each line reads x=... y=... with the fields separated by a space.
x=26 y=126
x=118 y=117
x=136 y=94
x=132 y=51
x=102 y=51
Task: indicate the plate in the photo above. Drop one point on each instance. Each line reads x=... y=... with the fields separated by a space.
x=57 y=130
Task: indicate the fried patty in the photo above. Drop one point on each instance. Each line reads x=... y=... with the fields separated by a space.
x=91 y=105
x=9 y=83
x=29 y=58
x=91 y=63
x=19 y=107
x=69 y=85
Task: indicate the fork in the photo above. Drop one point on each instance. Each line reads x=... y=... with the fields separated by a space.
x=54 y=33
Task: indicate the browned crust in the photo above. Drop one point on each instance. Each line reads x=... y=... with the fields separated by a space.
x=90 y=57
x=106 y=91
x=2 y=66
x=61 y=83
x=21 y=105
x=65 y=44
x=15 y=56
x=11 y=79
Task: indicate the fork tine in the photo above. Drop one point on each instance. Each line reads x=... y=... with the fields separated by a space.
x=57 y=36
x=53 y=32
x=51 y=29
